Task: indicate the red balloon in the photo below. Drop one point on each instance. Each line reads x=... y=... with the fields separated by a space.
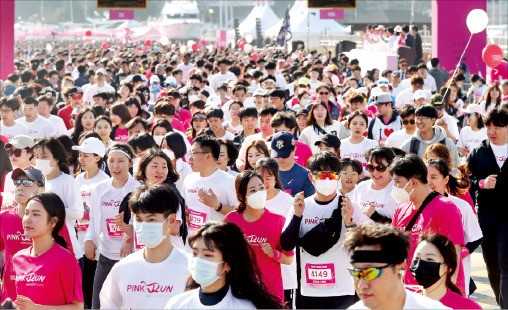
x=105 y=45
x=254 y=56
x=194 y=47
x=148 y=43
x=202 y=42
x=88 y=33
x=492 y=55
x=499 y=72
x=241 y=43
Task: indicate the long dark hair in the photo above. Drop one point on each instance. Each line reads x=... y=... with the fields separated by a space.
x=488 y=98
x=311 y=119
x=56 y=148
x=78 y=126
x=147 y=158
x=55 y=208
x=5 y=163
x=447 y=249
x=241 y=182
x=244 y=278
x=456 y=185
x=261 y=147
x=270 y=166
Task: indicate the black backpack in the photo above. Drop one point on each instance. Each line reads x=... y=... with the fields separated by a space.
x=415 y=145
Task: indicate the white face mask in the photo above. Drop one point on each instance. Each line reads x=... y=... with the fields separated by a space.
x=326 y=187
x=170 y=154
x=306 y=101
x=203 y=271
x=400 y=195
x=257 y=200
x=150 y=233
x=135 y=165
x=158 y=140
x=44 y=165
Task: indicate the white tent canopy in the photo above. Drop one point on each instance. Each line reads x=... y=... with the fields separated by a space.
x=301 y=17
x=262 y=11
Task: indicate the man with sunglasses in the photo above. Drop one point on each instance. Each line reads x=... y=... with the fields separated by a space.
x=444 y=120
x=75 y=97
x=396 y=139
x=378 y=254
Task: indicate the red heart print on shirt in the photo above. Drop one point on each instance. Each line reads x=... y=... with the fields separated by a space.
x=388 y=131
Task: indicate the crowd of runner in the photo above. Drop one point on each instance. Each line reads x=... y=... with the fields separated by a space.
x=152 y=177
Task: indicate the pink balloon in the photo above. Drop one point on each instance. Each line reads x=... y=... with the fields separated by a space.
x=499 y=72
x=195 y=47
x=105 y=45
x=254 y=56
x=492 y=55
x=88 y=33
x=241 y=43
x=148 y=42
x=202 y=42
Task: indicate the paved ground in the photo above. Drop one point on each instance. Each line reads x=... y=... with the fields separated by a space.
x=484 y=294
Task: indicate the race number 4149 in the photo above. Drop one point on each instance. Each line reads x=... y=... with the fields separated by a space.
x=320 y=275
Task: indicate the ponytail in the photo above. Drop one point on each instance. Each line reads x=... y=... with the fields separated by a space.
x=460 y=184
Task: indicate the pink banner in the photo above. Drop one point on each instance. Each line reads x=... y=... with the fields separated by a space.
x=221 y=38
x=121 y=14
x=6 y=38
x=331 y=14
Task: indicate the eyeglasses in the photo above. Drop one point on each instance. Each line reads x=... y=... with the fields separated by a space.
x=77 y=96
x=379 y=168
x=25 y=182
x=403 y=65
x=330 y=175
x=367 y=274
x=324 y=93
x=408 y=121
x=422 y=118
x=193 y=154
x=15 y=152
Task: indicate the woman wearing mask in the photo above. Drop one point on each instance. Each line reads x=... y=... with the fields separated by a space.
x=319 y=124
x=119 y=114
x=104 y=237
x=173 y=145
x=103 y=127
x=372 y=199
x=51 y=160
x=55 y=277
x=434 y=263
x=440 y=180
x=91 y=154
x=255 y=151
x=357 y=144
x=84 y=123
x=227 y=157
x=471 y=136
x=224 y=272
x=262 y=228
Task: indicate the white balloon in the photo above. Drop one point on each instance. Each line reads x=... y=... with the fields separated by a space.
x=49 y=48
x=164 y=40
x=183 y=49
x=189 y=43
x=247 y=48
x=249 y=38
x=477 y=20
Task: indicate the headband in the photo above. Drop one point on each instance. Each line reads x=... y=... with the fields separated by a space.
x=117 y=150
x=362 y=256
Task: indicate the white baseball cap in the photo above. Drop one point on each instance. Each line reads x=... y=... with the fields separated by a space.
x=91 y=145
x=474 y=108
x=420 y=94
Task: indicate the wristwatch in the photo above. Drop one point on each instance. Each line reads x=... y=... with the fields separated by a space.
x=219 y=208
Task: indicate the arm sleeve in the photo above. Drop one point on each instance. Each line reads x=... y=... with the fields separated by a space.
x=290 y=235
x=110 y=295
x=472 y=246
x=376 y=217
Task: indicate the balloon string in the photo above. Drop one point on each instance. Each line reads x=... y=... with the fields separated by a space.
x=458 y=64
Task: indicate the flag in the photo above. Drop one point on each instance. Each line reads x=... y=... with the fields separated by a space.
x=285 y=29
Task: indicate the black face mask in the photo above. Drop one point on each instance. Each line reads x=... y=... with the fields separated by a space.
x=426 y=273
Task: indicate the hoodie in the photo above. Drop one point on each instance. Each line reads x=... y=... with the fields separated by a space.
x=379 y=131
x=439 y=135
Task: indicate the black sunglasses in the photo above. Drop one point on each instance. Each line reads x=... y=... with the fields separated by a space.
x=380 y=168
x=408 y=121
x=15 y=152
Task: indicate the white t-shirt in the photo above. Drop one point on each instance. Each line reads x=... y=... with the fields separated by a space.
x=185 y=70
x=183 y=169
x=190 y=300
x=85 y=187
x=281 y=204
x=451 y=122
x=500 y=152
x=382 y=200
x=413 y=301
x=68 y=190
x=469 y=139
x=227 y=136
x=134 y=283
x=222 y=184
x=110 y=236
x=310 y=135
x=429 y=83
x=219 y=78
x=39 y=128
x=14 y=130
x=94 y=89
x=397 y=138
x=58 y=123
x=327 y=274
x=356 y=151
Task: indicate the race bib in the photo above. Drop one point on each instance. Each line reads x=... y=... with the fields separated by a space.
x=114 y=232
x=320 y=275
x=196 y=219
x=82 y=225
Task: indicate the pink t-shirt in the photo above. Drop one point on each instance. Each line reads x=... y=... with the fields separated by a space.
x=51 y=279
x=440 y=216
x=302 y=153
x=455 y=301
x=178 y=125
x=184 y=116
x=267 y=229
x=122 y=135
x=12 y=240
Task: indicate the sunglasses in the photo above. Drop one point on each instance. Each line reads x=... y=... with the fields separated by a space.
x=469 y=114
x=408 y=121
x=379 y=168
x=77 y=96
x=327 y=175
x=25 y=182
x=403 y=65
x=439 y=109
x=15 y=152
x=324 y=93
x=367 y=274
